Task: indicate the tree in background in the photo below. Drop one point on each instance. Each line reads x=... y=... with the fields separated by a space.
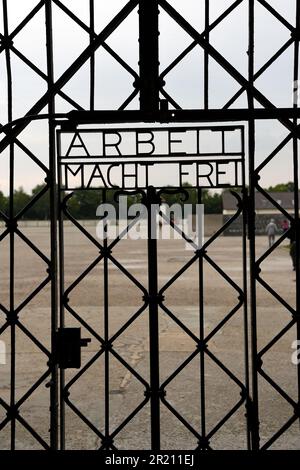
x=83 y=203
x=282 y=187
x=212 y=201
x=41 y=208
x=3 y=203
x=21 y=199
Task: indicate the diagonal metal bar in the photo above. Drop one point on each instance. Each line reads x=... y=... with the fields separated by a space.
x=180 y=418
x=33 y=338
x=88 y=235
x=105 y=46
x=275 y=203
x=34 y=434
x=179 y=322
x=83 y=418
x=4 y=309
x=226 y=418
x=261 y=71
x=224 y=275
x=70 y=72
x=131 y=369
x=82 y=371
x=168 y=97
x=279 y=433
x=178 y=230
x=276 y=338
x=32 y=389
x=24 y=22
x=208 y=30
x=282 y=144
x=224 y=321
x=4 y=404
x=82 y=276
x=129 y=418
x=277 y=15
x=129 y=99
x=275 y=294
x=36 y=160
x=4 y=234
x=126 y=325
x=27 y=152
x=32 y=295
x=275 y=245
x=226 y=370
x=3 y=328
x=32 y=246
x=174 y=374
x=226 y=65
x=178 y=274
x=127 y=274
x=78 y=225
x=180 y=57
x=4 y=423
x=222 y=229
x=277 y=388
x=31 y=203
x=83 y=322
x=4 y=216
x=41 y=74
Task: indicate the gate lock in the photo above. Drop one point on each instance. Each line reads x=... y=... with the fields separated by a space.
x=68 y=347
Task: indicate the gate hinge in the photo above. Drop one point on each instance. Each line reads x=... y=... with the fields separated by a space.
x=68 y=347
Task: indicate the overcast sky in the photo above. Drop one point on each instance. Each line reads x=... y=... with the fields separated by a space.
x=114 y=84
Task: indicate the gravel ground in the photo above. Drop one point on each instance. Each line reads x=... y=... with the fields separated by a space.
x=126 y=392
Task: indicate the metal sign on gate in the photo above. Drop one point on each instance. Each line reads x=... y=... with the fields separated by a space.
x=207 y=157
x=149 y=162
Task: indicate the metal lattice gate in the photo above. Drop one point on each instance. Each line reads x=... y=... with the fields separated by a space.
x=28 y=408
x=154 y=299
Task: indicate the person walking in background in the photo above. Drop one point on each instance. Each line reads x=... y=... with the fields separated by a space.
x=292 y=237
x=271 y=230
x=285 y=225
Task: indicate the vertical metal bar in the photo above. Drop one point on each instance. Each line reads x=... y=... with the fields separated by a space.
x=12 y=317
x=296 y=187
x=106 y=328
x=245 y=290
x=92 y=60
x=206 y=57
x=153 y=322
x=253 y=417
x=202 y=336
x=53 y=231
x=149 y=55
x=61 y=308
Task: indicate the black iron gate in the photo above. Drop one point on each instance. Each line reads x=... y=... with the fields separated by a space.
x=74 y=161
x=156 y=106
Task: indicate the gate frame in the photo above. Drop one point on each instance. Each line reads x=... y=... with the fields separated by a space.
x=152 y=110
x=154 y=298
